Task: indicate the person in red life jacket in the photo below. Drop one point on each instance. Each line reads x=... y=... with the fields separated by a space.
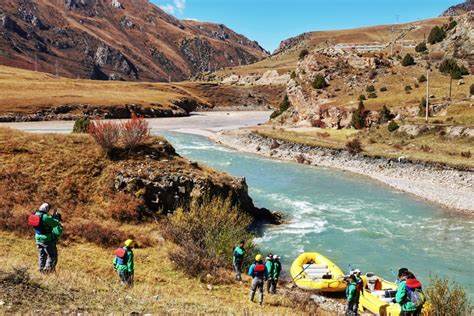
x=409 y=294
x=123 y=263
x=48 y=229
x=259 y=273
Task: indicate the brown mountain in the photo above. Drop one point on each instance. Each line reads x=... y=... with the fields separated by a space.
x=459 y=9
x=115 y=39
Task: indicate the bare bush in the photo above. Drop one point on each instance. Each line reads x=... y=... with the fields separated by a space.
x=354 y=146
x=125 y=207
x=106 y=134
x=134 y=132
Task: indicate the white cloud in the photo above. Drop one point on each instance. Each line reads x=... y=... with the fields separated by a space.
x=176 y=6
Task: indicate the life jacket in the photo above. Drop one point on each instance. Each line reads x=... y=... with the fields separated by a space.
x=121 y=256
x=36 y=221
x=259 y=270
x=415 y=293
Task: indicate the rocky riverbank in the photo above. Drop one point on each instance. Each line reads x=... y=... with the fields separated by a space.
x=446 y=186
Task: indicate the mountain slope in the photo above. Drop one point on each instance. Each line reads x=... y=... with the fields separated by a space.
x=120 y=40
x=459 y=9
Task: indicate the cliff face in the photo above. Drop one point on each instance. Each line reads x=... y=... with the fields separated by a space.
x=458 y=9
x=115 y=40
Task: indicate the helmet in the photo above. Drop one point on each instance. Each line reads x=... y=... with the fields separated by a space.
x=44 y=207
x=258 y=257
x=128 y=242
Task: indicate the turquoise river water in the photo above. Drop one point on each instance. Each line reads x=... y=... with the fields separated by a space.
x=349 y=218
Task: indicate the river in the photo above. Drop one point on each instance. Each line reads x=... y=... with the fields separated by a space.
x=351 y=219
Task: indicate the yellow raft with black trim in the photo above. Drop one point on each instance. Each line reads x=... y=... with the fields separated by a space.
x=378 y=295
x=313 y=271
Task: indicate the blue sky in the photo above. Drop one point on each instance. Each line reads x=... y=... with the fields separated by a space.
x=270 y=21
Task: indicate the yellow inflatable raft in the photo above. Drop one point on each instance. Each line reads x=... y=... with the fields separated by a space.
x=377 y=297
x=313 y=271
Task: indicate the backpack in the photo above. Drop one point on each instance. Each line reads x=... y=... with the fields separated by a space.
x=259 y=270
x=36 y=221
x=416 y=296
x=121 y=256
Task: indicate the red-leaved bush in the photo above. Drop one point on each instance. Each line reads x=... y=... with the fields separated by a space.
x=106 y=134
x=134 y=131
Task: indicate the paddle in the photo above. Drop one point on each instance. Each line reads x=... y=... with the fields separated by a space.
x=293 y=279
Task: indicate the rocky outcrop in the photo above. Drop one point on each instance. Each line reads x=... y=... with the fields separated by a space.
x=269 y=78
x=165 y=181
x=459 y=42
x=458 y=9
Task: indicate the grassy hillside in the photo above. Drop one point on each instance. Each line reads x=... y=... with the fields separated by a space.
x=75 y=176
x=26 y=92
x=86 y=282
x=286 y=58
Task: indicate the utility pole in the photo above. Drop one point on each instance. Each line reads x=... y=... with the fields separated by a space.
x=427 y=110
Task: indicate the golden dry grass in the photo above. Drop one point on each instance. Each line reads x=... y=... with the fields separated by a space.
x=85 y=273
x=378 y=142
x=28 y=91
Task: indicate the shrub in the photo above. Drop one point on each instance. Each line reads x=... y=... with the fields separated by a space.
x=95 y=233
x=125 y=207
x=318 y=123
x=370 y=89
x=422 y=107
x=319 y=82
x=81 y=125
x=449 y=66
x=293 y=75
x=383 y=89
x=408 y=88
x=451 y=25
x=471 y=89
x=206 y=234
x=447 y=298
x=372 y=95
x=358 y=116
x=354 y=146
x=408 y=60
x=362 y=97
x=392 y=126
x=385 y=115
x=106 y=134
x=437 y=34
x=284 y=105
x=421 y=47
x=466 y=154
x=372 y=74
x=303 y=54
x=134 y=132
x=422 y=79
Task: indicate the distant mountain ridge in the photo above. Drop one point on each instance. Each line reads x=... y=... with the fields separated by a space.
x=459 y=9
x=115 y=39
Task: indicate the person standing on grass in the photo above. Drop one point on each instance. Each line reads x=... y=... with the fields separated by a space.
x=270 y=269
x=276 y=273
x=123 y=263
x=48 y=229
x=238 y=260
x=259 y=274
